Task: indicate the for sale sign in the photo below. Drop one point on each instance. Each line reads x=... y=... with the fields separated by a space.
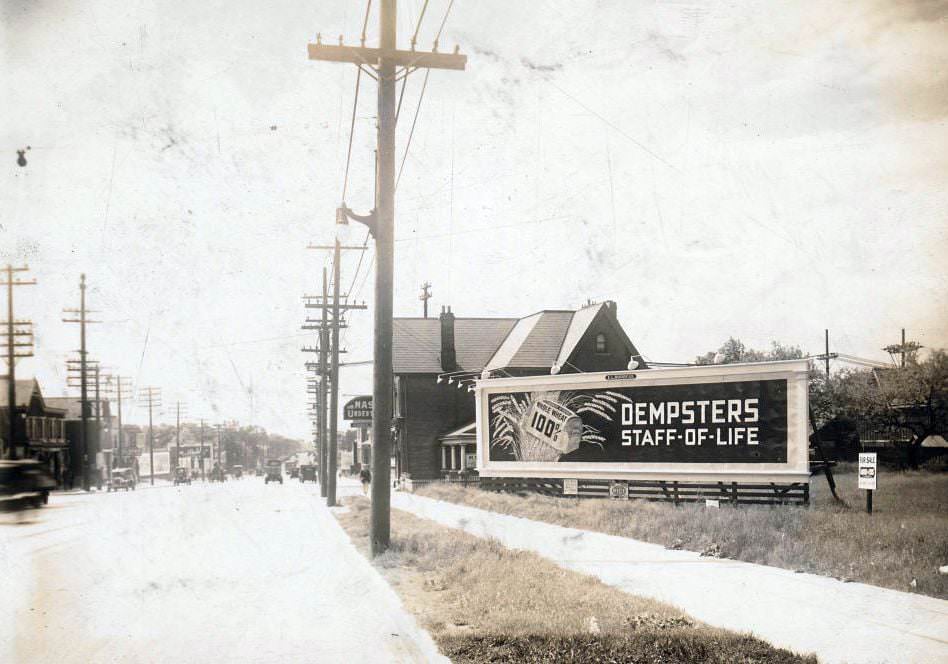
x=867 y=470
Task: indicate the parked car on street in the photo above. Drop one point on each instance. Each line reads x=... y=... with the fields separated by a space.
x=217 y=474
x=122 y=478
x=181 y=476
x=307 y=472
x=274 y=472
x=24 y=483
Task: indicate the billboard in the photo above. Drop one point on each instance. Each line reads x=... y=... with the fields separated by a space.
x=742 y=422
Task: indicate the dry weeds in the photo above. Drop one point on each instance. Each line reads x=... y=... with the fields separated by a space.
x=905 y=538
x=483 y=602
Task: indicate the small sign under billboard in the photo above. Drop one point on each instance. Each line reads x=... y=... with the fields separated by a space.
x=867 y=470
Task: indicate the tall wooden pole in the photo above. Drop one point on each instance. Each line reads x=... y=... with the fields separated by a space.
x=323 y=385
x=83 y=388
x=13 y=354
x=382 y=225
x=379 y=524
x=334 y=398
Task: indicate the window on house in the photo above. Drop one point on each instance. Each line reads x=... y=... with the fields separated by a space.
x=601 y=346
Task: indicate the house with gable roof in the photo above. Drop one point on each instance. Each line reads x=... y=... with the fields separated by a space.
x=434 y=412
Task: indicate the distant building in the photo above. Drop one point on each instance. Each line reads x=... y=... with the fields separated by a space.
x=434 y=420
x=40 y=432
x=98 y=445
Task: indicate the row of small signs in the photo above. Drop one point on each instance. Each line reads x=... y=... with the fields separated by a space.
x=617 y=490
x=868 y=464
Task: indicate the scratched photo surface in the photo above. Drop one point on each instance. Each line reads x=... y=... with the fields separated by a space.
x=762 y=170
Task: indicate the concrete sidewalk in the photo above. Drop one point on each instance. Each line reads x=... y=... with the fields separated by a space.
x=839 y=622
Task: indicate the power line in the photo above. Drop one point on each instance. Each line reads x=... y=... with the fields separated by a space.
x=355 y=104
x=424 y=86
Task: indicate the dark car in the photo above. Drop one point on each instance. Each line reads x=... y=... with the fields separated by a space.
x=181 y=476
x=24 y=483
x=307 y=472
x=122 y=478
x=274 y=472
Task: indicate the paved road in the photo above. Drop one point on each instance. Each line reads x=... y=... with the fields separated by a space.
x=239 y=572
x=840 y=622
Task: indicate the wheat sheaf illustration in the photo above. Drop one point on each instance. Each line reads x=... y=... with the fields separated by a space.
x=508 y=413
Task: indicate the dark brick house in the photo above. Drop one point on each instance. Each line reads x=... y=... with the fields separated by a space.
x=40 y=432
x=434 y=357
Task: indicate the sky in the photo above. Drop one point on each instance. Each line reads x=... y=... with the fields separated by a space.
x=764 y=170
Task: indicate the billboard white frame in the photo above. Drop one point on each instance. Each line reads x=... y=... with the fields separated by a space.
x=795 y=469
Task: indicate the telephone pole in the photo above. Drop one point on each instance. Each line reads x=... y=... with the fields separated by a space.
x=202 y=450
x=177 y=436
x=220 y=458
x=425 y=296
x=381 y=223
x=152 y=396
x=83 y=377
x=335 y=307
x=321 y=325
x=117 y=383
x=15 y=330
x=903 y=349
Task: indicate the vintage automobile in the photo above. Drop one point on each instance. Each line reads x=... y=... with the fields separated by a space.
x=274 y=472
x=307 y=472
x=238 y=471
x=24 y=483
x=181 y=476
x=122 y=478
x=217 y=474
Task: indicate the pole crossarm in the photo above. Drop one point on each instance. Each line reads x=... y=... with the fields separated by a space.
x=372 y=57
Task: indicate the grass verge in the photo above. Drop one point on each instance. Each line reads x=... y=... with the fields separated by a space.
x=482 y=602
x=900 y=546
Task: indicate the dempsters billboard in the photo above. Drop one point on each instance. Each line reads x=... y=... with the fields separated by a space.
x=745 y=422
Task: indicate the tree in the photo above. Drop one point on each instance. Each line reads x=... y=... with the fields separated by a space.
x=911 y=400
x=734 y=351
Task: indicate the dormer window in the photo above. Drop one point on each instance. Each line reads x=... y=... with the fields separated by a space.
x=601 y=346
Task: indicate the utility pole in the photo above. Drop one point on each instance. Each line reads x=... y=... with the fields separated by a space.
x=152 y=396
x=118 y=383
x=202 y=450
x=220 y=458
x=322 y=347
x=335 y=307
x=84 y=383
x=15 y=329
x=177 y=435
x=903 y=349
x=425 y=296
x=827 y=354
x=381 y=224
x=314 y=390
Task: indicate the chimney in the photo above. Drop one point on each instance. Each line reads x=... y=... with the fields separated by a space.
x=448 y=354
